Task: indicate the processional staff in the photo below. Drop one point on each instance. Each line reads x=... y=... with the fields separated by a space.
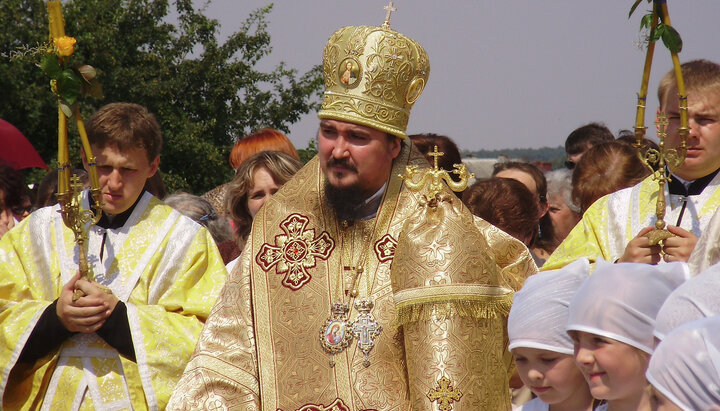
x=68 y=84
x=666 y=159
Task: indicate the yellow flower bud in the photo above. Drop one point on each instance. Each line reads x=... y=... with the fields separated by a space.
x=65 y=45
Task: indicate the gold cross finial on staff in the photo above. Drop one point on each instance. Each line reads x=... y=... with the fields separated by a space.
x=445 y=395
x=390 y=9
x=435 y=176
x=665 y=161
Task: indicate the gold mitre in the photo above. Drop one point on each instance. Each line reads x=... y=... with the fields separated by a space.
x=373 y=76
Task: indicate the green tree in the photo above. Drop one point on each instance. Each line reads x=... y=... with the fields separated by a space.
x=203 y=92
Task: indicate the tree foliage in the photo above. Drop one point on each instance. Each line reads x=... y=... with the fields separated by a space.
x=166 y=57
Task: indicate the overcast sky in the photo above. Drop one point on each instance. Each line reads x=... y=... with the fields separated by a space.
x=503 y=74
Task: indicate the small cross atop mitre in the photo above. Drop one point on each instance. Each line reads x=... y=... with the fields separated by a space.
x=390 y=9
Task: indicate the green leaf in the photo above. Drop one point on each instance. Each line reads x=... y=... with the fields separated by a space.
x=50 y=65
x=646 y=21
x=659 y=30
x=69 y=86
x=87 y=72
x=634 y=6
x=671 y=39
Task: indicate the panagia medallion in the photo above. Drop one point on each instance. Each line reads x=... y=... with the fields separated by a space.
x=336 y=334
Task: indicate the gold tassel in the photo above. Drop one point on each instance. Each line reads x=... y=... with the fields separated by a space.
x=486 y=307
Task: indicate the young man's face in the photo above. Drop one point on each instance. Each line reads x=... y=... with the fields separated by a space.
x=122 y=175
x=703 y=141
x=354 y=156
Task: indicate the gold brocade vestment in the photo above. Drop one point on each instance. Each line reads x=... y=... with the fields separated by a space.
x=162 y=265
x=260 y=348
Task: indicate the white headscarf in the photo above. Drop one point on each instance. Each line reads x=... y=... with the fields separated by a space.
x=540 y=309
x=620 y=301
x=699 y=297
x=685 y=367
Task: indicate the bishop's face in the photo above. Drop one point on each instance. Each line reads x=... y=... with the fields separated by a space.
x=356 y=157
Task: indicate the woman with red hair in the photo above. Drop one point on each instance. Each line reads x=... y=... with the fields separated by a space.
x=266 y=139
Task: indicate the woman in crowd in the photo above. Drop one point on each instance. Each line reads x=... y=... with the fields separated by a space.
x=266 y=139
x=257 y=179
x=534 y=179
x=508 y=205
x=563 y=214
x=604 y=169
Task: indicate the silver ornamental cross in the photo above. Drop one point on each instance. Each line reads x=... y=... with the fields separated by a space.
x=365 y=329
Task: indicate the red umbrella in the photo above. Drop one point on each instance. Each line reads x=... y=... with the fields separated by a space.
x=16 y=150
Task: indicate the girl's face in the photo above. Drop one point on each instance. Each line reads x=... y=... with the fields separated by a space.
x=552 y=376
x=613 y=370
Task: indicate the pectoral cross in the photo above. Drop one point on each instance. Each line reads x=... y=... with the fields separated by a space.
x=445 y=395
x=390 y=9
x=365 y=329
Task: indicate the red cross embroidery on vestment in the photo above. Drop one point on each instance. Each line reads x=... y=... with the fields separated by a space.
x=385 y=248
x=295 y=251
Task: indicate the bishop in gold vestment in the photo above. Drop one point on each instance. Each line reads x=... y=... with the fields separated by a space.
x=436 y=281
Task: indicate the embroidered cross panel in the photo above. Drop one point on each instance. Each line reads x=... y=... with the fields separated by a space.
x=295 y=251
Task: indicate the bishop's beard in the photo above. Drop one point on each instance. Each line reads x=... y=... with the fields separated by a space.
x=343 y=201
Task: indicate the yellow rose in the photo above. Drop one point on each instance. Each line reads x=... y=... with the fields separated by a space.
x=65 y=45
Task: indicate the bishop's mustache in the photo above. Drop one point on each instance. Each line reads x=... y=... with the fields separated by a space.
x=343 y=162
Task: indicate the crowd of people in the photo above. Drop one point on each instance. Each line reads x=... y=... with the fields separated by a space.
x=339 y=285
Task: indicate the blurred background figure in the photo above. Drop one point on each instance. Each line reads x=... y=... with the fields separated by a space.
x=628 y=137
x=534 y=179
x=426 y=143
x=582 y=138
x=508 y=205
x=562 y=215
x=155 y=186
x=604 y=169
x=266 y=139
x=257 y=179
x=14 y=198
x=203 y=213
x=47 y=190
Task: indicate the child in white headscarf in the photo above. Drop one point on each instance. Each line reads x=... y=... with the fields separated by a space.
x=542 y=349
x=696 y=298
x=611 y=321
x=685 y=369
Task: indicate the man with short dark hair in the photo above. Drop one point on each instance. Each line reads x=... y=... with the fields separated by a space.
x=123 y=349
x=582 y=139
